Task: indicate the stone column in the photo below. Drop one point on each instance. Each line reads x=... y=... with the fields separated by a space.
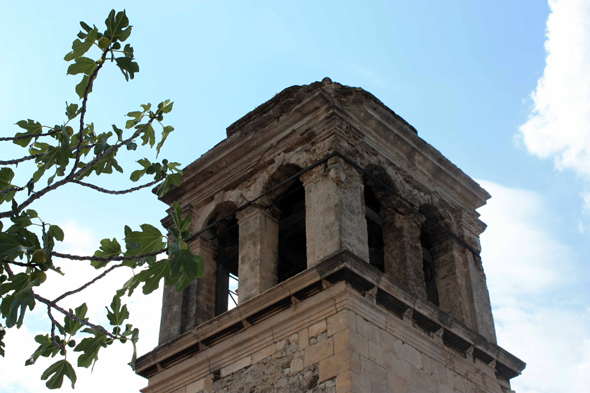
x=200 y=296
x=451 y=271
x=259 y=252
x=403 y=251
x=183 y=311
x=334 y=211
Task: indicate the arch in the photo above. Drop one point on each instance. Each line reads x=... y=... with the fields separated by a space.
x=224 y=233
x=288 y=204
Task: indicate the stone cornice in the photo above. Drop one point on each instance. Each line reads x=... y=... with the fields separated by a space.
x=360 y=276
x=385 y=132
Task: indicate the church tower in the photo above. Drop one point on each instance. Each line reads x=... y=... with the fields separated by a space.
x=341 y=254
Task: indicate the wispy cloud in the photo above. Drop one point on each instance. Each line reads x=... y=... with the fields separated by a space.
x=559 y=124
x=528 y=273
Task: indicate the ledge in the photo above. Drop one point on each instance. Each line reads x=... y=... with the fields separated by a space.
x=362 y=277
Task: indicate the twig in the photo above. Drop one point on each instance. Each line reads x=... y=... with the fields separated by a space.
x=53 y=323
x=87 y=167
x=19 y=160
x=6 y=191
x=94 y=187
x=15 y=138
x=107 y=259
x=73 y=316
x=83 y=113
x=66 y=294
x=20 y=263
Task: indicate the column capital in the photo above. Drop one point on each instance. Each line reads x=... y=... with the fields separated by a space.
x=269 y=211
x=204 y=245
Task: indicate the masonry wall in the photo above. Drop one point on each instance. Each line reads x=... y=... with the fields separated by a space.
x=335 y=341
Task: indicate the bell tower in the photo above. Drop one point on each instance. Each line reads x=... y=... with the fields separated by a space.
x=341 y=254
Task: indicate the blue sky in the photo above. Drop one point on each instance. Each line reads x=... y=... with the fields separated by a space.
x=500 y=88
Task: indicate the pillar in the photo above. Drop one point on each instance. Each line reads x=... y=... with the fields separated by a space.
x=259 y=251
x=403 y=251
x=334 y=211
x=183 y=311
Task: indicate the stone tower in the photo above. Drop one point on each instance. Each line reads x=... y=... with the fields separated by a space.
x=355 y=247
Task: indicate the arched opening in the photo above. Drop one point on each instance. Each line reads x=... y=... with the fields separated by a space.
x=428 y=268
x=225 y=234
x=292 y=238
x=374 y=229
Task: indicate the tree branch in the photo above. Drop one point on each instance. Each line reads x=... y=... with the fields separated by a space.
x=107 y=259
x=66 y=294
x=6 y=191
x=20 y=263
x=88 y=166
x=73 y=316
x=19 y=160
x=115 y=192
x=15 y=138
x=53 y=323
x=83 y=113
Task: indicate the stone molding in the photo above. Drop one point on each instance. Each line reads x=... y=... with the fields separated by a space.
x=280 y=304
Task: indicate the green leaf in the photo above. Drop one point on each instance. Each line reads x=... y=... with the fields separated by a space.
x=187 y=266
x=127 y=66
x=165 y=106
x=165 y=132
x=119 y=132
x=81 y=87
x=152 y=276
x=136 y=175
x=117 y=26
x=131 y=146
x=79 y=47
x=172 y=179
x=85 y=27
x=148 y=240
x=90 y=347
x=82 y=65
x=57 y=371
x=10 y=246
x=56 y=233
x=149 y=135
x=71 y=111
x=46 y=349
x=71 y=326
x=32 y=127
x=108 y=248
x=128 y=51
x=117 y=314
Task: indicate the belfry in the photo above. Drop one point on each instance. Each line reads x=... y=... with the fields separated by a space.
x=341 y=255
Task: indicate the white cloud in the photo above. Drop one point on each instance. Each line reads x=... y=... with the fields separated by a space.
x=528 y=273
x=559 y=125
x=111 y=372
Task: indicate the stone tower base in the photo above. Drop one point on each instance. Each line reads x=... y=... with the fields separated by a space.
x=341 y=326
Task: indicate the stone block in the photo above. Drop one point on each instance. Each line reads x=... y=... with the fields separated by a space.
x=397 y=384
x=319 y=351
x=376 y=354
x=303 y=339
x=412 y=356
x=372 y=369
x=296 y=365
x=359 y=344
x=203 y=384
x=334 y=365
x=343 y=383
x=337 y=323
x=240 y=364
x=317 y=328
x=368 y=330
x=263 y=353
x=341 y=341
